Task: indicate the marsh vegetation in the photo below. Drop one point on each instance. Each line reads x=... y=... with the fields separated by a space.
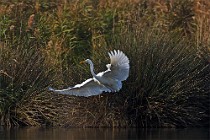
x=168 y=43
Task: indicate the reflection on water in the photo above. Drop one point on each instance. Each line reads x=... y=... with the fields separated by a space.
x=102 y=133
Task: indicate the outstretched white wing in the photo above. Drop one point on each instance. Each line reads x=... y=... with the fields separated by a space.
x=118 y=68
x=108 y=81
x=87 y=88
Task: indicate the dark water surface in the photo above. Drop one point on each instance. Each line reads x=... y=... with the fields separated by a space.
x=33 y=133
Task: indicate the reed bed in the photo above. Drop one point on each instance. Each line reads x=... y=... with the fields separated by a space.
x=167 y=42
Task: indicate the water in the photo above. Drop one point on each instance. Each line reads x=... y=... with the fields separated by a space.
x=33 y=133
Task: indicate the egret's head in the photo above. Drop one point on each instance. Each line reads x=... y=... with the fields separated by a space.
x=86 y=61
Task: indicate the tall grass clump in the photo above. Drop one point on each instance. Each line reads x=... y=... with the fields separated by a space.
x=23 y=76
x=169 y=81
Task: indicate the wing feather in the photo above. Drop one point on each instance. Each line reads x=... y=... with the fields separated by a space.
x=87 y=88
x=118 y=68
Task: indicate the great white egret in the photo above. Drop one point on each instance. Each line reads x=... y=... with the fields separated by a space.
x=107 y=81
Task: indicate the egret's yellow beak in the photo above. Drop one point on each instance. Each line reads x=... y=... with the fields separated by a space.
x=82 y=62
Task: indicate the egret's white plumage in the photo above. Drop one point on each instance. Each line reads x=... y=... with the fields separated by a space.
x=107 y=81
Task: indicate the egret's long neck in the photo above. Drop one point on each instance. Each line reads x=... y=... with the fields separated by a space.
x=92 y=69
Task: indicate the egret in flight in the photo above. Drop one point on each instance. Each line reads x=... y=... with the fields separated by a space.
x=106 y=81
